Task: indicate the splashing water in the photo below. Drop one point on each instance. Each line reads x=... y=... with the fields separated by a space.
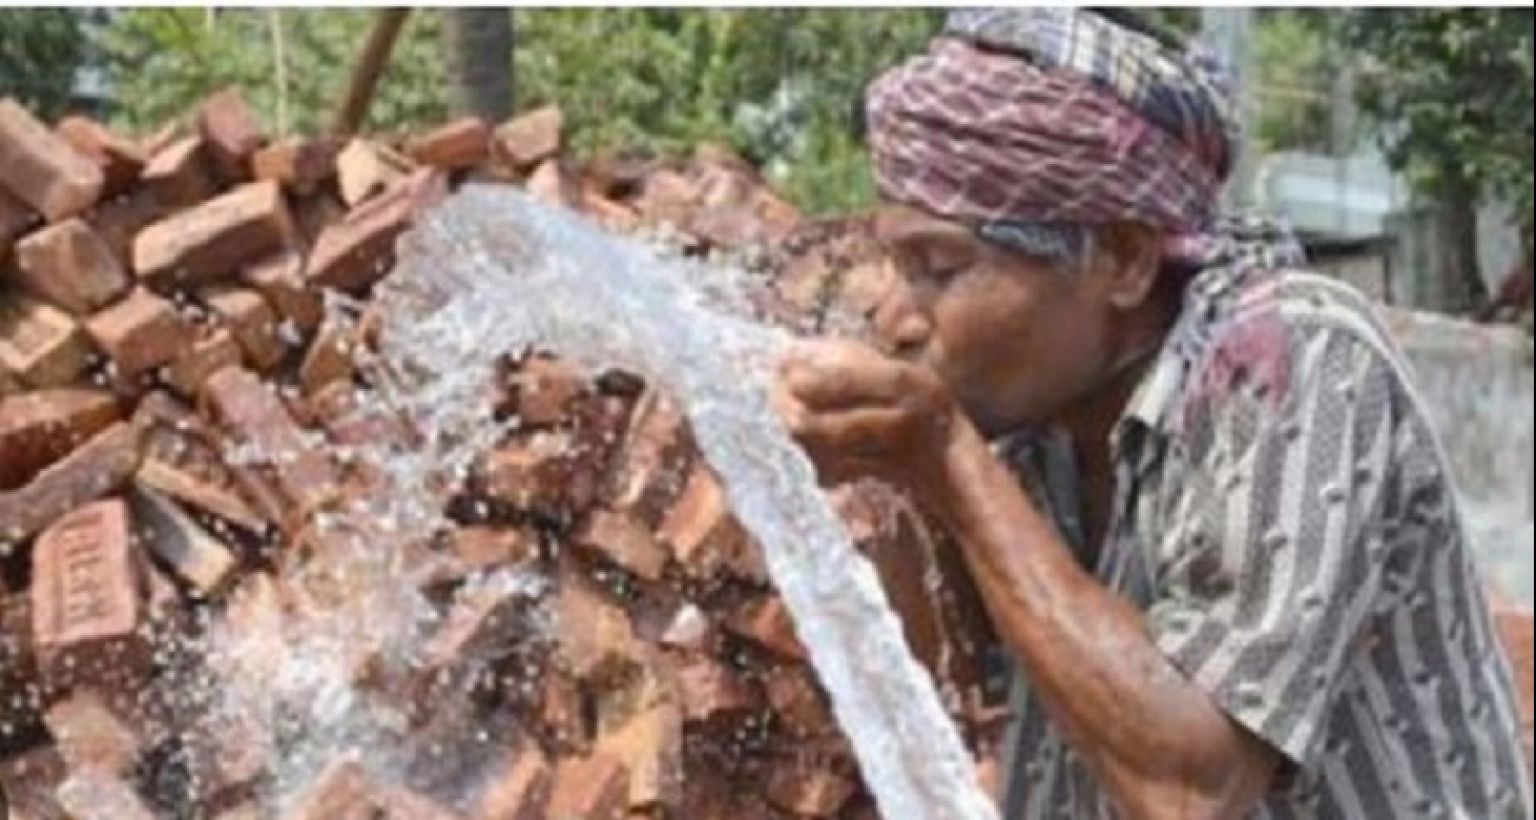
x=491 y=271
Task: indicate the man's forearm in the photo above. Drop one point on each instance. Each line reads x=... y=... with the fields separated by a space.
x=1154 y=739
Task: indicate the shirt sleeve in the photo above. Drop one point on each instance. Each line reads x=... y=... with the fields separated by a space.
x=1268 y=562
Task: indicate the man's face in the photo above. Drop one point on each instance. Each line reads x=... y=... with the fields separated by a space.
x=1017 y=340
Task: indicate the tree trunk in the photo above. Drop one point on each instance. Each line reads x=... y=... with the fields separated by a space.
x=479 y=55
x=1459 y=287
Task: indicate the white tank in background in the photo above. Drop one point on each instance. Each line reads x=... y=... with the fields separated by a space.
x=1477 y=380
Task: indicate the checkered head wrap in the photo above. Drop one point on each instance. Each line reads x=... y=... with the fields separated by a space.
x=1034 y=125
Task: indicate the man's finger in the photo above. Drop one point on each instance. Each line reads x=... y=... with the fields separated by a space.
x=864 y=433
x=843 y=376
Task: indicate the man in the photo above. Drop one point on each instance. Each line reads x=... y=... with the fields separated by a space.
x=1196 y=489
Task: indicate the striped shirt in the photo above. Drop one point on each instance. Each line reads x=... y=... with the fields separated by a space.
x=1285 y=519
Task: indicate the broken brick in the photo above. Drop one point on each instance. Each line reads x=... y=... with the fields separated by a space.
x=213 y=349
x=88 y=600
x=299 y=165
x=544 y=390
x=39 y=428
x=214 y=239
x=252 y=321
x=353 y=254
x=518 y=787
x=689 y=629
x=15 y=217
x=329 y=358
x=120 y=161
x=90 y=736
x=179 y=175
x=650 y=745
x=20 y=721
x=181 y=463
x=232 y=132
x=483 y=547
x=69 y=265
x=704 y=535
x=552 y=185
x=541 y=474
x=200 y=560
x=280 y=280
x=345 y=791
x=40 y=345
x=274 y=446
x=709 y=690
x=452 y=147
x=140 y=333
x=651 y=464
x=117 y=221
x=94 y=469
x=529 y=139
x=797 y=701
x=365 y=169
x=767 y=622
x=41 y=169
x=808 y=791
x=596 y=638
x=621 y=541
x=595 y=787
x=562 y=712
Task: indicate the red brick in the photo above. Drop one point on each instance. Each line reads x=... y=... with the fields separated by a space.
x=39 y=428
x=667 y=196
x=705 y=536
x=483 y=547
x=30 y=780
x=589 y=788
x=200 y=560
x=140 y=333
x=88 y=600
x=299 y=165
x=232 y=132
x=518 y=787
x=358 y=251
x=345 y=791
x=69 y=265
x=329 y=358
x=180 y=174
x=90 y=736
x=808 y=791
x=541 y=474
x=213 y=349
x=612 y=215
x=120 y=161
x=257 y=420
x=562 y=712
x=43 y=170
x=597 y=641
x=545 y=389
x=552 y=185
x=94 y=469
x=797 y=701
x=460 y=144
x=529 y=139
x=709 y=690
x=40 y=345
x=650 y=745
x=164 y=136
x=117 y=221
x=215 y=239
x=365 y=169
x=280 y=280
x=651 y=465
x=622 y=541
x=767 y=622
x=316 y=212
x=15 y=217
x=252 y=321
x=1516 y=632
x=181 y=465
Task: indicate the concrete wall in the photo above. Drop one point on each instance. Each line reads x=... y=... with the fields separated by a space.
x=1477 y=381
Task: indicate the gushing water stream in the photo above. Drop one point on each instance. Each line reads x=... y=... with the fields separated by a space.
x=491 y=271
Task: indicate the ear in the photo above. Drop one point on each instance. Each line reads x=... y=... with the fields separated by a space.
x=1130 y=256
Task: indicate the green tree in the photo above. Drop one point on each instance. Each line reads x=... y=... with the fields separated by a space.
x=39 y=52
x=164 y=60
x=1453 y=92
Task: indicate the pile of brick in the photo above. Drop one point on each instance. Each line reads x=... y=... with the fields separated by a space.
x=175 y=403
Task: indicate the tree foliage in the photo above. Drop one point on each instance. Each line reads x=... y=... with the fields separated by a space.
x=1453 y=90
x=39 y=52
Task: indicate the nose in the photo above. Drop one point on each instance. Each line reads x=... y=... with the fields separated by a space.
x=900 y=324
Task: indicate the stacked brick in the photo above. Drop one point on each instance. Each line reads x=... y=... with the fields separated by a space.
x=176 y=406
x=179 y=417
